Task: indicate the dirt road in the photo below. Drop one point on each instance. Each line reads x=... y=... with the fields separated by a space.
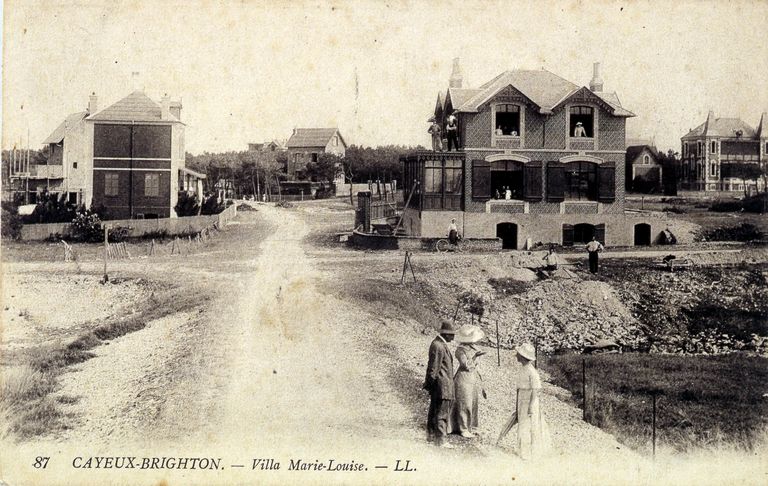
x=274 y=366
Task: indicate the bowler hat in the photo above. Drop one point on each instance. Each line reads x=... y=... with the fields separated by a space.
x=526 y=351
x=447 y=327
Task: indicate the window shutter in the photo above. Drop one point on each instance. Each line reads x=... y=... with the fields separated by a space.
x=481 y=179
x=606 y=183
x=567 y=235
x=555 y=182
x=532 y=181
x=600 y=233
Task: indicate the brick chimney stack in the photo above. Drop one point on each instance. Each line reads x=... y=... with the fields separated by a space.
x=597 y=82
x=456 y=78
x=93 y=104
x=165 y=107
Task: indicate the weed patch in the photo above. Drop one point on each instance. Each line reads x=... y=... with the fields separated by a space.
x=703 y=400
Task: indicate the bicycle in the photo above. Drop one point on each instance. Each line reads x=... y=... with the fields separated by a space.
x=443 y=245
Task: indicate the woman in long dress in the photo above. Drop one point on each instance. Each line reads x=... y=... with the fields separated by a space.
x=468 y=383
x=532 y=433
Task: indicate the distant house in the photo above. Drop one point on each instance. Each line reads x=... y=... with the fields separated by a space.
x=715 y=154
x=128 y=157
x=273 y=146
x=643 y=169
x=306 y=145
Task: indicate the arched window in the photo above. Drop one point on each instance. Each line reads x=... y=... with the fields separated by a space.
x=507 y=120
x=581 y=181
x=646 y=159
x=582 y=121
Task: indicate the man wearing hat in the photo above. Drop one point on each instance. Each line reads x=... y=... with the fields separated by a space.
x=579 y=131
x=439 y=384
x=452 y=131
x=437 y=137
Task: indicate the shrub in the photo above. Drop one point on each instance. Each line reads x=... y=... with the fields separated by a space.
x=742 y=232
x=756 y=204
x=675 y=209
x=52 y=209
x=187 y=205
x=11 y=221
x=211 y=205
x=87 y=227
x=726 y=206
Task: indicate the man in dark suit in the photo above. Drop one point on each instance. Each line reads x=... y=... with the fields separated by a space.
x=439 y=384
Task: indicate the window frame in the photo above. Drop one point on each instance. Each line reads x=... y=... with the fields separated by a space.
x=572 y=126
x=152 y=176
x=591 y=194
x=111 y=181
x=521 y=123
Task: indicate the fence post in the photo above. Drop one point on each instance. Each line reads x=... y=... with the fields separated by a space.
x=498 y=344
x=106 y=249
x=584 y=388
x=653 y=426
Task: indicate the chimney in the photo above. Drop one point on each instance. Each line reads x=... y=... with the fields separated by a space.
x=136 y=81
x=456 y=78
x=597 y=82
x=93 y=104
x=165 y=107
x=176 y=109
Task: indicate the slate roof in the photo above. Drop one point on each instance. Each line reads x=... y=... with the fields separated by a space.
x=635 y=150
x=68 y=123
x=136 y=107
x=459 y=96
x=313 y=137
x=545 y=89
x=722 y=127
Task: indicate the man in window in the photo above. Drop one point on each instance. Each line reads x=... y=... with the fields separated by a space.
x=452 y=130
x=579 y=131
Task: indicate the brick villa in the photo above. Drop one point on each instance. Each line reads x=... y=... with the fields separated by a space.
x=541 y=160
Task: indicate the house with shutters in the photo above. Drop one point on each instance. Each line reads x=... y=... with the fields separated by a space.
x=541 y=160
x=128 y=157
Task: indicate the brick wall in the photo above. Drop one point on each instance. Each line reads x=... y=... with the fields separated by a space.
x=534 y=128
x=612 y=134
x=555 y=130
x=476 y=129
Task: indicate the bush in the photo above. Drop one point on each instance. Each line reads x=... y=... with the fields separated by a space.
x=11 y=221
x=742 y=232
x=675 y=209
x=187 y=205
x=756 y=204
x=51 y=209
x=726 y=206
x=211 y=205
x=87 y=227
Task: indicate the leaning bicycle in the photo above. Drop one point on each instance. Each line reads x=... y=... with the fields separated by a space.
x=444 y=244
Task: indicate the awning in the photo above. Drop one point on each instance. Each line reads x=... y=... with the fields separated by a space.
x=191 y=172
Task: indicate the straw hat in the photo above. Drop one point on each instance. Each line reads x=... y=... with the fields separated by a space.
x=470 y=334
x=447 y=328
x=578 y=124
x=526 y=351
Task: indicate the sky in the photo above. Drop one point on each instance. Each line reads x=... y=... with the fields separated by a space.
x=250 y=71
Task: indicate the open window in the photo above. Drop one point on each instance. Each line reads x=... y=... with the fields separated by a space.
x=507 y=179
x=582 y=122
x=581 y=181
x=507 y=120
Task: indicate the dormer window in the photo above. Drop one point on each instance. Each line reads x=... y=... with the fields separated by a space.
x=507 y=120
x=582 y=122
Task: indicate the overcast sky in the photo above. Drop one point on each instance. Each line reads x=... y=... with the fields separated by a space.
x=249 y=71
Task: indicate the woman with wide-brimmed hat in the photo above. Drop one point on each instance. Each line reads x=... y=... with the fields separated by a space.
x=467 y=383
x=533 y=436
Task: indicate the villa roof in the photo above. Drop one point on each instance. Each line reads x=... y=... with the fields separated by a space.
x=545 y=89
x=313 y=137
x=61 y=131
x=136 y=107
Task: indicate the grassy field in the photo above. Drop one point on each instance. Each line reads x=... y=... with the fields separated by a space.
x=703 y=401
